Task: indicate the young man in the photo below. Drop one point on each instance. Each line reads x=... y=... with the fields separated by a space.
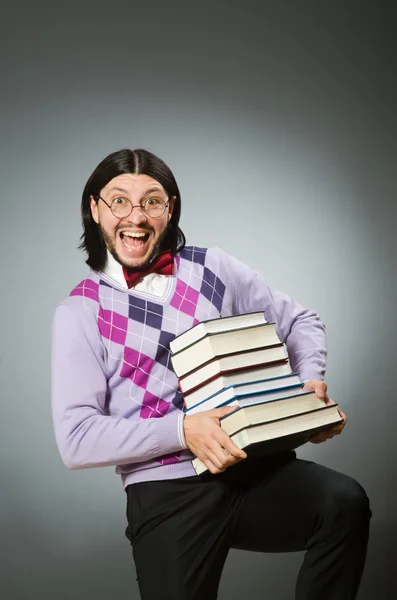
x=116 y=401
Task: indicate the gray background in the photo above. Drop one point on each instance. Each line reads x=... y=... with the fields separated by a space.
x=279 y=122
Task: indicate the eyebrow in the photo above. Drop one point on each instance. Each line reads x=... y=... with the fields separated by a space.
x=124 y=191
x=118 y=189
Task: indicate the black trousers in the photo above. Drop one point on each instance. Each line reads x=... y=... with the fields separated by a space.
x=181 y=530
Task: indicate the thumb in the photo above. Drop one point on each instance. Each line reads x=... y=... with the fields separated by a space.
x=222 y=411
x=321 y=389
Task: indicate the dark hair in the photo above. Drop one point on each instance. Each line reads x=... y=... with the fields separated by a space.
x=139 y=162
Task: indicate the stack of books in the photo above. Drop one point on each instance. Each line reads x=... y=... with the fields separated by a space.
x=241 y=361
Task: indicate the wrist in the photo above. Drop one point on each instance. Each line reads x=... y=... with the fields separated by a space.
x=182 y=435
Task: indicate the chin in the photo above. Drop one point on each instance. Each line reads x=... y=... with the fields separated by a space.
x=134 y=263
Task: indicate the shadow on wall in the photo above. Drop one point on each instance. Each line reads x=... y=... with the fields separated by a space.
x=253 y=575
x=379 y=579
x=47 y=554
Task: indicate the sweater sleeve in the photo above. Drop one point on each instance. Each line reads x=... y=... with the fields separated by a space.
x=86 y=436
x=299 y=328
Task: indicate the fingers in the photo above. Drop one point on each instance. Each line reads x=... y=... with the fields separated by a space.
x=222 y=411
x=223 y=450
x=342 y=414
x=219 y=459
x=321 y=390
x=219 y=441
x=318 y=386
x=213 y=460
x=328 y=400
x=328 y=434
x=208 y=441
x=226 y=442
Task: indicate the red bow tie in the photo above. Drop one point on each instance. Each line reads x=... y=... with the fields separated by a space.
x=164 y=265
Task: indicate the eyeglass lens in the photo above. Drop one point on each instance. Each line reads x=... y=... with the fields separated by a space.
x=153 y=207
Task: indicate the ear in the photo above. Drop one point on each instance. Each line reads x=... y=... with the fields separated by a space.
x=171 y=207
x=94 y=209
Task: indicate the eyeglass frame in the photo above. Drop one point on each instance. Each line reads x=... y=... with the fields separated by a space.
x=166 y=205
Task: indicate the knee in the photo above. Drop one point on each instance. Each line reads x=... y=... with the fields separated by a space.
x=347 y=502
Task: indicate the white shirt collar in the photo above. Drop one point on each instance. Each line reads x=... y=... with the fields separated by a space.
x=114 y=270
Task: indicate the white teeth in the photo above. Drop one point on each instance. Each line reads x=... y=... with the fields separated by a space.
x=131 y=234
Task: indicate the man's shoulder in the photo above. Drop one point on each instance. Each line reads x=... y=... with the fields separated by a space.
x=87 y=288
x=202 y=255
x=86 y=294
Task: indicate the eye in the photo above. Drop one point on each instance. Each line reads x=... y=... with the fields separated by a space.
x=153 y=201
x=120 y=201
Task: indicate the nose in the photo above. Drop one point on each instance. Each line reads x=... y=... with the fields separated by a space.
x=137 y=215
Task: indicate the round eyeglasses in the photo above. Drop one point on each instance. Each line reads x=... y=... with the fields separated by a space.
x=122 y=207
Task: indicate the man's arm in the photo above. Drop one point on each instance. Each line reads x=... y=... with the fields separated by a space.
x=85 y=434
x=299 y=328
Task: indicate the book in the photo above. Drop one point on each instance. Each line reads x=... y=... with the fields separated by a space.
x=227 y=378
x=274 y=358
x=251 y=410
x=215 y=325
x=257 y=391
x=278 y=435
x=214 y=345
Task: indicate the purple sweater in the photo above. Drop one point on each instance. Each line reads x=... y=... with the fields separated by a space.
x=115 y=396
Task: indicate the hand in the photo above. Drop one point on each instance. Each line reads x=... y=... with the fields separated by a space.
x=320 y=387
x=207 y=440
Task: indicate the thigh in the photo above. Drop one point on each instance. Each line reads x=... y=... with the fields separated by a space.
x=285 y=507
x=180 y=535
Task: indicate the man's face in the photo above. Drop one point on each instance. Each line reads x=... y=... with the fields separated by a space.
x=123 y=236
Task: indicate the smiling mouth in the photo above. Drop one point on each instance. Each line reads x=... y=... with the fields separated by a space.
x=134 y=241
